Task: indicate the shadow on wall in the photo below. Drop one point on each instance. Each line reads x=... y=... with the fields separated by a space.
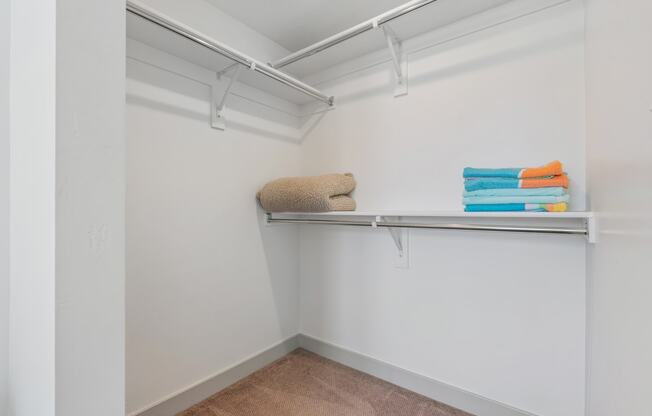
x=170 y=92
x=479 y=60
x=310 y=123
x=481 y=63
x=204 y=117
x=338 y=294
x=281 y=248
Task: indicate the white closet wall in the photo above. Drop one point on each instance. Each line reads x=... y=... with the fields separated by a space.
x=619 y=64
x=5 y=28
x=207 y=284
x=500 y=315
x=90 y=201
x=67 y=207
x=32 y=208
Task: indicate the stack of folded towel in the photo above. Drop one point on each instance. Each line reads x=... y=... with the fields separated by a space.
x=543 y=189
x=309 y=194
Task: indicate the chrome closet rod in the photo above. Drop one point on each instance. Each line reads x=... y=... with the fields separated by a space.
x=228 y=52
x=352 y=32
x=447 y=226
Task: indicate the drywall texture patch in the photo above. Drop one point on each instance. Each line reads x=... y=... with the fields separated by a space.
x=90 y=220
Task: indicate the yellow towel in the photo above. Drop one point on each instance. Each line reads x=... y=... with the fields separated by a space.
x=309 y=194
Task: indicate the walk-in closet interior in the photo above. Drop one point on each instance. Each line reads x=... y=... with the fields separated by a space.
x=312 y=208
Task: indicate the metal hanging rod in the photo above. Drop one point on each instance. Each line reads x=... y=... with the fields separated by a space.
x=352 y=32
x=442 y=226
x=227 y=52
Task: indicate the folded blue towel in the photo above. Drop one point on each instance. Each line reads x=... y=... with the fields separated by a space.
x=474 y=200
x=561 y=207
x=559 y=191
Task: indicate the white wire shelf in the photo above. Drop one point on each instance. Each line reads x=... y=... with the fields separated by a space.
x=412 y=19
x=445 y=214
x=152 y=28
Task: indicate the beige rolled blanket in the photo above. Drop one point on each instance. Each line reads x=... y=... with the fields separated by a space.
x=309 y=194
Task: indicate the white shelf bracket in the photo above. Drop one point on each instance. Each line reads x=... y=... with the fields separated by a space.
x=219 y=98
x=401 y=238
x=399 y=61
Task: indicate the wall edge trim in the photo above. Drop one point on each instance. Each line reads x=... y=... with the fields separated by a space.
x=203 y=389
x=429 y=387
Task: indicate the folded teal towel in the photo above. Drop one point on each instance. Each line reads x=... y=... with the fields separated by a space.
x=553 y=168
x=492 y=173
x=474 y=184
x=517 y=192
x=475 y=200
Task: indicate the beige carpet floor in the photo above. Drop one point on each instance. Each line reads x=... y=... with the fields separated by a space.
x=305 y=384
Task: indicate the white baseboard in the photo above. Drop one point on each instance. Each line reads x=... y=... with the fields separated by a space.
x=436 y=390
x=203 y=390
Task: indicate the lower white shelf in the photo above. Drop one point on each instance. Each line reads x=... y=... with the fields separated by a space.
x=563 y=223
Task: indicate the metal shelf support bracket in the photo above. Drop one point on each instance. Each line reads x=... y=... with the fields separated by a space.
x=219 y=98
x=399 y=60
x=401 y=238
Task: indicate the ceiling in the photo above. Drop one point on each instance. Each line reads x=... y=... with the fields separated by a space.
x=295 y=24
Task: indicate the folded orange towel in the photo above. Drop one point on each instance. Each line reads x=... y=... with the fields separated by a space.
x=551 y=169
x=560 y=180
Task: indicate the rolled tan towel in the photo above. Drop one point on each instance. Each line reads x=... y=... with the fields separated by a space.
x=309 y=194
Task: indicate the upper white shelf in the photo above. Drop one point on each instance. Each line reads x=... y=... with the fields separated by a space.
x=353 y=42
x=152 y=28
